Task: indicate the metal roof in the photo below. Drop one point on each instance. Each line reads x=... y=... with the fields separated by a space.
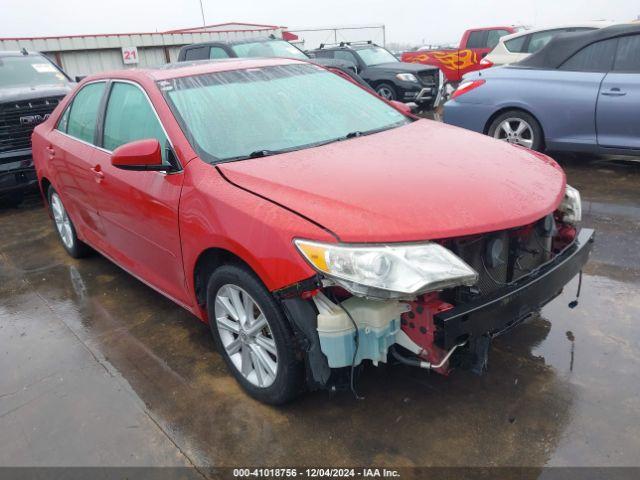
x=144 y=39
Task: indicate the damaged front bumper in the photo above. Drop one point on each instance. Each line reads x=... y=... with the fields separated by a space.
x=429 y=328
x=513 y=304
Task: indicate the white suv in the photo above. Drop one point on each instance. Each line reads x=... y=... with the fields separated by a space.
x=518 y=46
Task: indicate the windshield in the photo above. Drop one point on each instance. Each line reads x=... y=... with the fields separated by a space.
x=376 y=56
x=271 y=48
x=29 y=70
x=262 y=111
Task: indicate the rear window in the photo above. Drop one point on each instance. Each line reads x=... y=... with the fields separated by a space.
x=516 y=45
x=83 y=115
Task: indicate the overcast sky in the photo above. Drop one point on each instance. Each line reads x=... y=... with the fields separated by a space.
x=406 y=21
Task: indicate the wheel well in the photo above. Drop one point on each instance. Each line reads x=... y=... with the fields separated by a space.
x=207 y=262
x=45 y=184
x=509 y=109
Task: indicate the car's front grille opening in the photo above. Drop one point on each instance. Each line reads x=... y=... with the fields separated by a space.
x=18 y=119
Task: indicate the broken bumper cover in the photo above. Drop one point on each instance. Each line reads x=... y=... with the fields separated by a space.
x=519 y=300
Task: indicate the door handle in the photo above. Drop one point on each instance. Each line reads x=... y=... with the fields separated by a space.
x=614 y=92
x=97 y=171
x=50 y=151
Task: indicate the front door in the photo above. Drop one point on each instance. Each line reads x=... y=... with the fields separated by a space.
x=140 y=209
x=618 y=111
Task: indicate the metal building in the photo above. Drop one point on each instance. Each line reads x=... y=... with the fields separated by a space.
x=87 y=54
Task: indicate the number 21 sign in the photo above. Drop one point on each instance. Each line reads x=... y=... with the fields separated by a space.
x=129 y=55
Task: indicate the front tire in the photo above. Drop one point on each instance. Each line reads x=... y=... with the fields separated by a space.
x=519 y=128
x=253 y=336
x=64 y=227
x=387 y=91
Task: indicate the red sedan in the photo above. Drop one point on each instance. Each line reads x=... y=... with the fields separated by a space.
x=312 y=224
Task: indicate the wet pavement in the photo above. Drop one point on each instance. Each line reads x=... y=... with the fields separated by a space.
x=98 y=369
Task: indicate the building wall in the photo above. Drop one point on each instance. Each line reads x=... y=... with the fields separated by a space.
x=85 y=55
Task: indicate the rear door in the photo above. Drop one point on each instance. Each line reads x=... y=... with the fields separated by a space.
x=140 y=209
x=72 y=150
x=618 y=111
x=573 y=95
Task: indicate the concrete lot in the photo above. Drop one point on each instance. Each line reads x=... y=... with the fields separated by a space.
x=98 y=369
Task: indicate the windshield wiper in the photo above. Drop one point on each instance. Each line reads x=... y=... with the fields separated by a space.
x=266 y=153
x=263 y=153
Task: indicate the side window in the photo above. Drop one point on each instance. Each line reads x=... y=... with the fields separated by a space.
x=345 y=55
x=198 y=53
x=63 y=122
x=217 y=52
x=477 y=39
x=540 y=39
x=597 y=57
x=130 y=117
x=83 y=114
x=516 y=45
x=628 y=55
x=323 y=53
x=494 y=36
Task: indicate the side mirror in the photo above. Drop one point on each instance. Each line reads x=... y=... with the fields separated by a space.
x=403 y=107
x=141 y=155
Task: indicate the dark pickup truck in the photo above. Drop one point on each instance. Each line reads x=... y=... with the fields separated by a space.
x=30 y=88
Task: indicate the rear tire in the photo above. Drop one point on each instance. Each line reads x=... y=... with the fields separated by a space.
x=64 y=227
x=263 y=362
x=518 y=127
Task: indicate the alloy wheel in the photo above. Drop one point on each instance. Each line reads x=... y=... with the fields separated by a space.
x=61 y=219
x=515 y=130
x=385 y=92
x=246 y=335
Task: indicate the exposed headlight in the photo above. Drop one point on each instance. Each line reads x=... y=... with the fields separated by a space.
x=407 y=77
x=571 y=206
x=388 y=271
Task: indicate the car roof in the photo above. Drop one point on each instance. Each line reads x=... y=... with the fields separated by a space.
x=561 y=47
x=521 y=33
x=187 y=69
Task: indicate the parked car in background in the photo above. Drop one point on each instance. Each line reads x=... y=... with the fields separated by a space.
x=30 y=88
x=310 y=236
x=265 y=47
x=455 y=62
x=518 y=46
x=389 y=77
x=579 y=93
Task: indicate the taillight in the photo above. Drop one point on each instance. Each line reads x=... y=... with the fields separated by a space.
x=466 y=87
x=486 y=63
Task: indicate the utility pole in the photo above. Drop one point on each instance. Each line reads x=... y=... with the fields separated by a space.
x=202 y=13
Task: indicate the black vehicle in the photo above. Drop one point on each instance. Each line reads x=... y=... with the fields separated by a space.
x=264 y=47
x=30 y=88
x=389 y=77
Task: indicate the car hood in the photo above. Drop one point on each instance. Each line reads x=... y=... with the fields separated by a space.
x=422 y=181
x=403 y=67
x=33 y=92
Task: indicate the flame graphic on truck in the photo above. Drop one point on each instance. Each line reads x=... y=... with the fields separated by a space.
x=451 y=63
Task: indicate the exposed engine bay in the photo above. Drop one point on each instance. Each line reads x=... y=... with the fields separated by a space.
x=516 y=272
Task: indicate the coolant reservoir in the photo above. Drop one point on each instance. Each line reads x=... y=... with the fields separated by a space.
x=377 y=321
